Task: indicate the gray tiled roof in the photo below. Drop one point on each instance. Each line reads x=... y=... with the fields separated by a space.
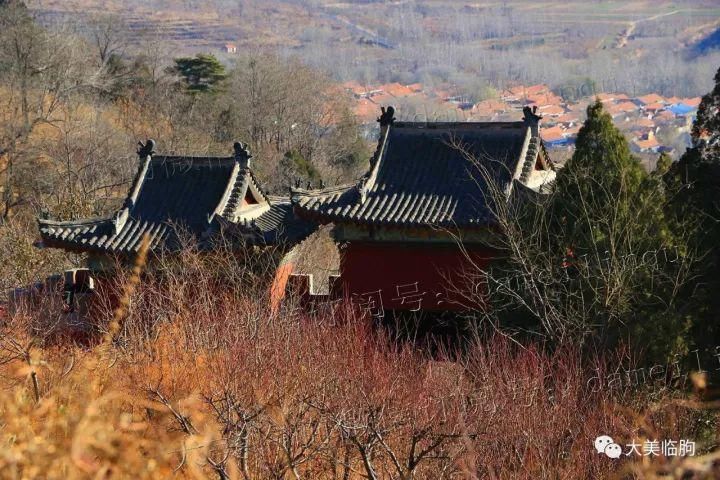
x=100 y=235
x=422 y=174
x=170 y=196
x=278 y=225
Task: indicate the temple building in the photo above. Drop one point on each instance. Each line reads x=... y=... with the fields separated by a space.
x=410 y=232
x=412 y=225
x=176 y=199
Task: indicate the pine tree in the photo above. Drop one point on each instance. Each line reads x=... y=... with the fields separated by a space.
x=601 y=183
x=202 y=73
x=608 y=212
x=695 y=179
x=694 y=185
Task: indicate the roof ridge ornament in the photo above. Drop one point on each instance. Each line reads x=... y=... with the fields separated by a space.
x=532 y=119
x=242 y=154
x=146 y=149
x=387 y=117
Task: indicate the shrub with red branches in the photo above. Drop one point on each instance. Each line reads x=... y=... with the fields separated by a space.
x=199 y=377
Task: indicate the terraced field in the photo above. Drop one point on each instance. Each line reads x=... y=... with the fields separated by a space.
x=283 y=22
x=441 y=41
x=208 y=26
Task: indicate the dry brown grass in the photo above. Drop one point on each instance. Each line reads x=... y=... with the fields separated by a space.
x=195 y=379
x=66 y=414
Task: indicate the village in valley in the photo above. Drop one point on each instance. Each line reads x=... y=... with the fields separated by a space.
x=652 y=123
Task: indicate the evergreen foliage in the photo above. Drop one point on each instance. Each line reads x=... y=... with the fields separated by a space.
x=694 y=182
x=202 y=74
x=609 y=211
x=601 y=177
x=596 y=261
x=302 y=166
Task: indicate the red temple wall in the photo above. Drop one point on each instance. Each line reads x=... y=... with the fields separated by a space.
x=411 y=277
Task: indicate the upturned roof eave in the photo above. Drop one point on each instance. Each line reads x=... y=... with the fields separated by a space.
x=130 y=199
x=49 y=223
x=117 y=219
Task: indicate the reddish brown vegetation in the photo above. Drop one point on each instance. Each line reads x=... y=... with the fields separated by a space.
x=211 y=384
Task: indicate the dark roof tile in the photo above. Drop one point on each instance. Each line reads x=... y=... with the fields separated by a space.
x=424 y=174
x=172 y=196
